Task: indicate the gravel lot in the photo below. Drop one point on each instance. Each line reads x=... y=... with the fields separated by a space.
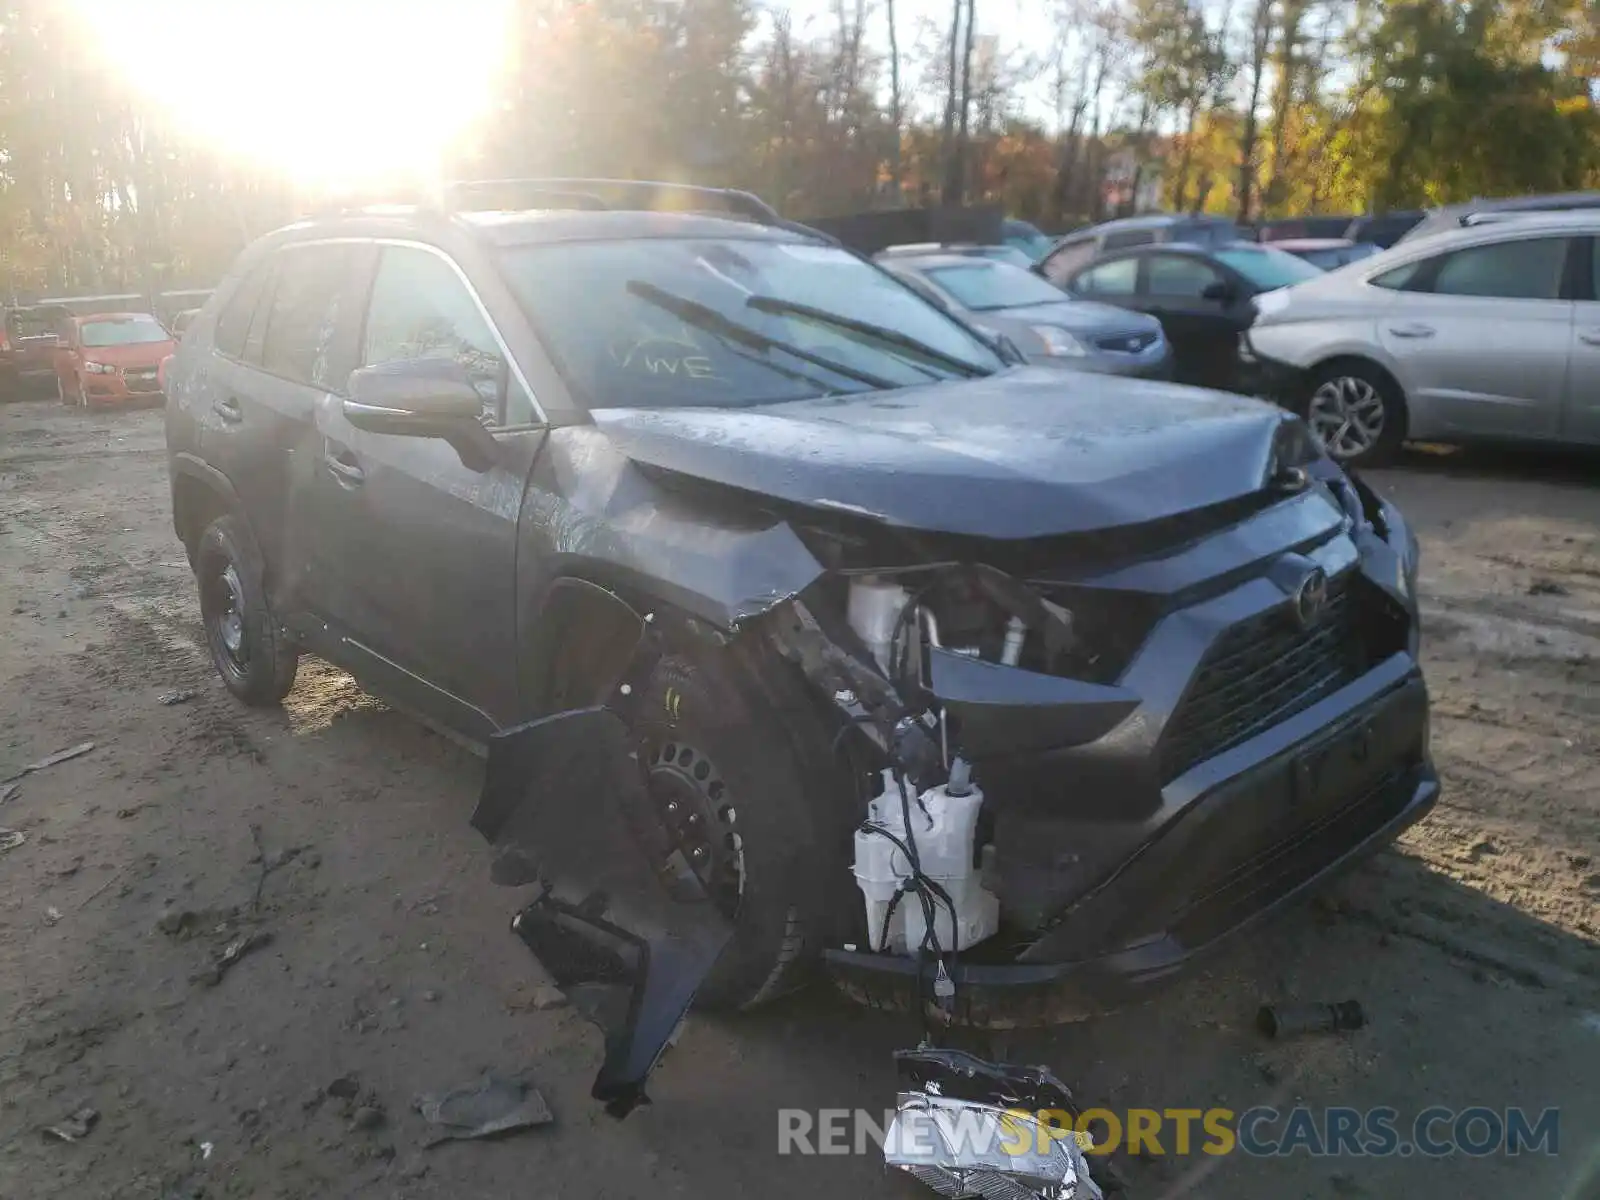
x=340 y=828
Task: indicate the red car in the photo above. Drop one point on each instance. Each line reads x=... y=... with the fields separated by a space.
x=111 y=358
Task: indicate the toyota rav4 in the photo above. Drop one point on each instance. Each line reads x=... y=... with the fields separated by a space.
x=799 y=620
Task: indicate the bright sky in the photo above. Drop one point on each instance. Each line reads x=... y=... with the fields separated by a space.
x=346 y=91
x=334 y=90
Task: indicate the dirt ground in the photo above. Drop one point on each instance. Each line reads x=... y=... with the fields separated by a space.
x=340 y=829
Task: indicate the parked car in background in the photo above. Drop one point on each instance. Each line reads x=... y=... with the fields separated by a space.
x=27 y=350
x=998 y=253
x=1456 y=216
x=1484 y=333
x=111 y=358
x=1303 y=227
x=1326 y=253
x=1383 y=229
x=1082 y=246
x=1026 y=237
x=1043 y=322
x=1203 y=297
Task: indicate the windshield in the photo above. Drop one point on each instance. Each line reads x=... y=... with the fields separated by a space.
x=1267 y=268
x=669 y=322
x=986 y=286
x=131 y=331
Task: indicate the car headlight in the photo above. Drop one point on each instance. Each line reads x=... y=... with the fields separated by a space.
x=95 y=368
x=1270 y=303
x=1058 y=343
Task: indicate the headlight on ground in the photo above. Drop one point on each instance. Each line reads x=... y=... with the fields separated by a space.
x=1058 y=343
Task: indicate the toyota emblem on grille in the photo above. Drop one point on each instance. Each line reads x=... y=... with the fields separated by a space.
x=1311 y=597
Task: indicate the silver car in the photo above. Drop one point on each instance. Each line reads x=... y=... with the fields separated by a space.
x=1049 y=326
x=1487 y=333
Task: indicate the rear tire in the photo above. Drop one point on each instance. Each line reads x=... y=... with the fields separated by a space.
x=1357 y=412
x=256 y=660
x=755 y=776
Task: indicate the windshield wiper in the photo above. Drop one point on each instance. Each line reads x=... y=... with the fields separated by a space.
x=703 y=316
x=880 y=333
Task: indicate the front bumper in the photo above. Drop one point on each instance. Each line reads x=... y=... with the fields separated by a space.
x=1279 y=382
x=113 y=389
x=1383 y=795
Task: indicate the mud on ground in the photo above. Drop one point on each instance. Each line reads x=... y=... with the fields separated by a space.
x=340 y=829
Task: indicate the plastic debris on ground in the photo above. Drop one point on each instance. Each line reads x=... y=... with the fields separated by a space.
x=178 y=695
x=74 y=1127
x=10 y=839
x=1288 y=1020
x=489 y=1107
x=965 y=1127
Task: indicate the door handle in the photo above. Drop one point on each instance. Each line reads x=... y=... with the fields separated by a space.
x=1592 y=338
x=228 y=409
x=1412 y=331
x=344 y=469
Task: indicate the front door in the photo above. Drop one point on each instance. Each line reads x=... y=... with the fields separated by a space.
x=1581 y=414
x=413 y=554
x=1202 y=311
x=1482 y=349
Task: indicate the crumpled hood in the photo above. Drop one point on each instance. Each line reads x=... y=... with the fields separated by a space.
x=1025 y=453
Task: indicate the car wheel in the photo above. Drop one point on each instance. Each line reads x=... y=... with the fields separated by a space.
x=252 y=654
x=734 y=781
x=1356 y=412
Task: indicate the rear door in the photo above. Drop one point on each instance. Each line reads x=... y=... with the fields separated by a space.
x=1203 y=330
x=415 y=554
x=276 y=352
x=1581 y=416
x=1481 y=337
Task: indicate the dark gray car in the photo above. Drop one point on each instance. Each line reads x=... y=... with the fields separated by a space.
x=1045 y=323
x=751 y=569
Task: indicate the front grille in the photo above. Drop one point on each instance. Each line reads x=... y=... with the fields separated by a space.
x=1261 y=672
x=1127 y=343
x=140 y=381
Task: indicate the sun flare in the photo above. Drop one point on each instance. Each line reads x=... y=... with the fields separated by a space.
x=333 y=92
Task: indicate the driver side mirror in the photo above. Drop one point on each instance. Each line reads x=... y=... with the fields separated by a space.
x=423 y=397
x=1221 y=291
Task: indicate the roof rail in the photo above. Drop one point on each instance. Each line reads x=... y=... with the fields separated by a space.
x=513 y=195
x=643 y=194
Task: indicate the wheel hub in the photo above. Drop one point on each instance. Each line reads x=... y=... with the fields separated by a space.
x=696 y=810
x=227 y=614
x=1347 y=415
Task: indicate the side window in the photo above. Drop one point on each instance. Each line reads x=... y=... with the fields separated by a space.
x=420 y=308
x=304 y=314
x=1132 y=237
x=1116 y=278
x=1528 y=269
x=1173 y=275
x=1401 y=279
x=1066 y=260
x=234 y=324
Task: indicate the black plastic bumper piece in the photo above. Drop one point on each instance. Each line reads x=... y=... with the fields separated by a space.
x=1021 y=994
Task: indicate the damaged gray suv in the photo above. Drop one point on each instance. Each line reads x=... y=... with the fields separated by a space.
x=802 y=624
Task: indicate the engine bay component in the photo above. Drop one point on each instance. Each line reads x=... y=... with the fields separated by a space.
x=965 y=1127
x=908 y=872
x=876 y=608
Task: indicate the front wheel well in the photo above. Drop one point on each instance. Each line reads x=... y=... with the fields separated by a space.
x=1381 y=375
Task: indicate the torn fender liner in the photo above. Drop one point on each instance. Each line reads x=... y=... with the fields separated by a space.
x=623 y=924
x=966 y=1127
